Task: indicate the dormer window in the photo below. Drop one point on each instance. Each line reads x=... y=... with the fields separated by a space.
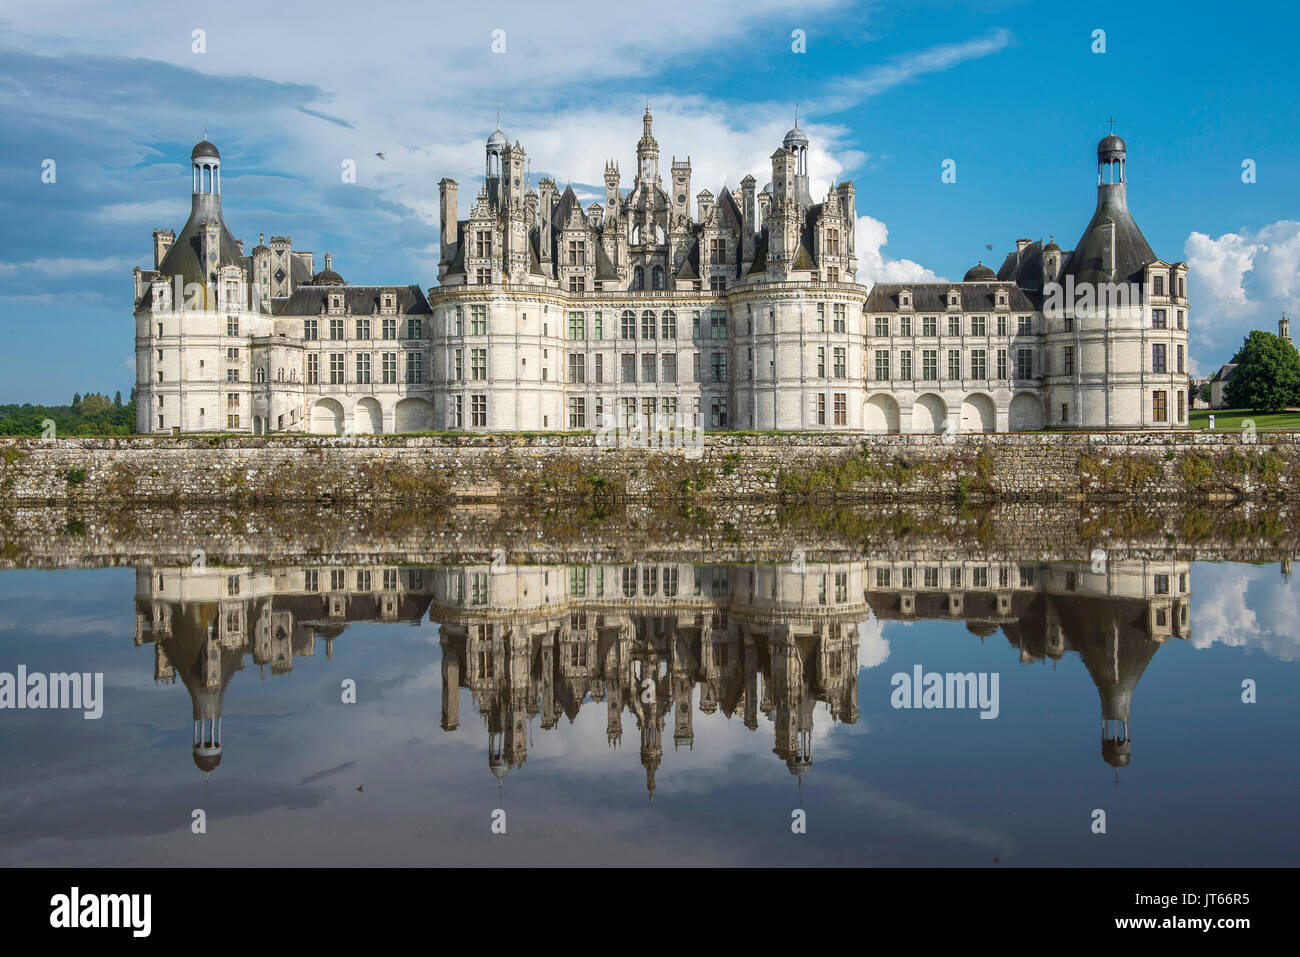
x=905 y=299
x=954 y=299
x=336 y=302
x=1002 y=299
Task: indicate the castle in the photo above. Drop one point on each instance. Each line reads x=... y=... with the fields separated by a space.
x=643 y=313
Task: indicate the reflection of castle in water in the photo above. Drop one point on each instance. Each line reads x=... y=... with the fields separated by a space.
x=533 y=642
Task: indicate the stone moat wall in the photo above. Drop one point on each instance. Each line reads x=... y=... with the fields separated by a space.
x=533 y=469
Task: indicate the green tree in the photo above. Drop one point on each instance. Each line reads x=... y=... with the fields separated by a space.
x=1267 y=377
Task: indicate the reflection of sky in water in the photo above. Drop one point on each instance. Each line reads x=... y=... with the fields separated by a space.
x=1211 y=782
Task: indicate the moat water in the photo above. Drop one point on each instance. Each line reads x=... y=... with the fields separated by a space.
x=653 y=712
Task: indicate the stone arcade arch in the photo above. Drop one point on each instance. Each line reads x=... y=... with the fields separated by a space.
x=880 y=414
x=412 y=415
x=929 y=413
x=1025 y=414
x=978 y=414
x=327 y=417
x=368 y=418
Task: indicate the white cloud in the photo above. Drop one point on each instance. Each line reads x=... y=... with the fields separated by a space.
x=1241 y=271
x=63 y=267
x=909 y=67
x=870 y=237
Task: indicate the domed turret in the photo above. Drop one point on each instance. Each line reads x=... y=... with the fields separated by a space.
x=979 y=273
x=205 y=148
x=327 y=276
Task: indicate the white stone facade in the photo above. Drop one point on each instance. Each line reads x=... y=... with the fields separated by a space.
x=637 y=313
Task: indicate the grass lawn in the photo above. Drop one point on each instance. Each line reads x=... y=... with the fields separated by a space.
x=1231 y=419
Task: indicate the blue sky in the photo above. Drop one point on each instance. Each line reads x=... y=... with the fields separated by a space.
x=116 y=95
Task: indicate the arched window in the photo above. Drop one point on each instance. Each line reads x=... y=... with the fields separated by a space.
x=657 y=277
x=669 y=325
x=638 y=277
x=628 y=330
x=647 y=324
x=261 y=374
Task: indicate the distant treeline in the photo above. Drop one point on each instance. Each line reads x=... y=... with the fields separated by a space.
x=91 y=414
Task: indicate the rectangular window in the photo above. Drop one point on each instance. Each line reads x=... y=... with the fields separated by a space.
x=628 y=367
x=1002 y=325
x=336 y=328
x=1002 y=363
x=1180 y=317
x=458 y=324
x=456 y=412
x=478 y=364
x=313 y=368
x=882 y=325
x=648 y=367
x=1158 y=357
x=979 y=364
x=821 y=362
x=718 y=366
x=954 y=326
x=232 y=327
x=1024 y=325
x=821 y=408
x=577 y=413
x=577 y=367
x=390 y=328
x=310 y=330
x=1158 y=285
x=389 y=368
x=363 y=368
x=841 y=408
x=821 y=317
x=458 y=365
x=954 y=363
x=905 y=364
x=478 y=320
x=478 y=411
x=1160 y=405
x=841 y=363
x=979 y=325
x=1067 y=360
x=336 y=368
x=1180 y=358
x=1024 y=363
x=482 y=243
x=670 y=367
x=929 y=364
x=600 y=367
x=577 y=326
x=930 y=326
x=840 y=320
x=695 y=367
x=232 y=375
x=1158 y=320
x=904 y=325
x=414 y=368
x=882 y=364
x=718 y=324
x=599 y=331
x=1182 y=405
x=414 y=329
x=718 y=411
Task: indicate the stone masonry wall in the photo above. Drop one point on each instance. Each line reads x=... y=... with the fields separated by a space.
x=1039 y=467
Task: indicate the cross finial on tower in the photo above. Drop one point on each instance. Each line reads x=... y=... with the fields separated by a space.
x=205 y=129
x=796 y=116
x=1111 y=121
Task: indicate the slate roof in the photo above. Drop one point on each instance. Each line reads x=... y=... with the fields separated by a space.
x=1132 y=252
x=363 y=300
x=182 y=258
x=932 y=297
